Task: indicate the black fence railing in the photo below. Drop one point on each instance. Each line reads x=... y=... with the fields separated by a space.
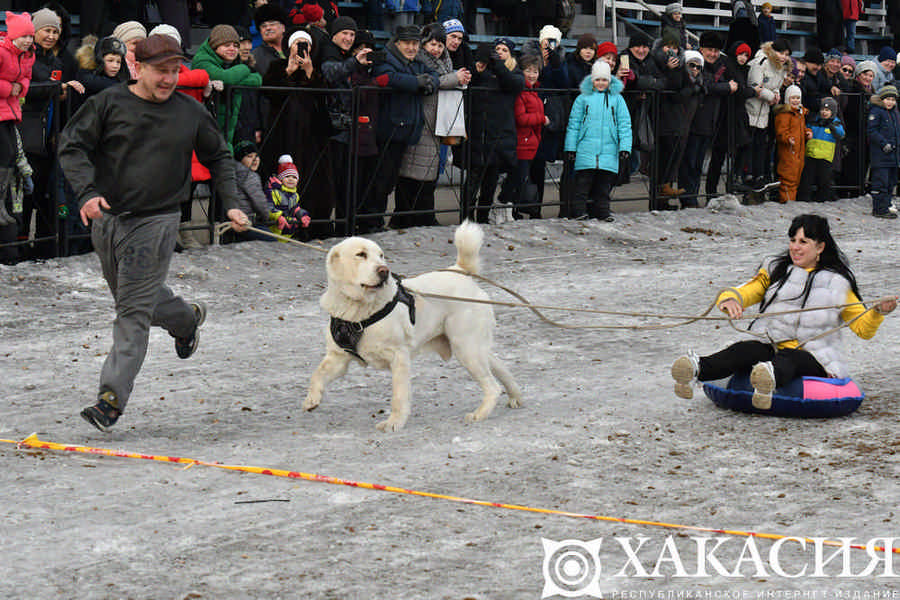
x=332 y=135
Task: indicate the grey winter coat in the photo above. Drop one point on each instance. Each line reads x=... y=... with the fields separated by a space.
x=251 y=198
x=420 y=161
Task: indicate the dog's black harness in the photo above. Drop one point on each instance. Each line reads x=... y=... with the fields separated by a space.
x=347 y=334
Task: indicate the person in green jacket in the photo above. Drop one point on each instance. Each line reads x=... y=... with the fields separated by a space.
x=219 y=56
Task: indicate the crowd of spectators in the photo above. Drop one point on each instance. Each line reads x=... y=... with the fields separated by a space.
x=300 y=92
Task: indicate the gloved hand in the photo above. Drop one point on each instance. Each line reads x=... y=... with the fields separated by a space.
x=300 y=216
x=28 y=186
x=569 y=156
x=426 y=84
x=888 y=148
x=283 y=223
x=624 y=155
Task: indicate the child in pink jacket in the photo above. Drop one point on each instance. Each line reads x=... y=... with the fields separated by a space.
x=16 y=59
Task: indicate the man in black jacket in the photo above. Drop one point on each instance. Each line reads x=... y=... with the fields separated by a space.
x=705 y=125
x=127 y=155
x=492 y=130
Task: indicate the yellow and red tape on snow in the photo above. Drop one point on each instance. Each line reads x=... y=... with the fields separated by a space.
x=32 y=441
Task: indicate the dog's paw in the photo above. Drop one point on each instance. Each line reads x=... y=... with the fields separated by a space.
x=389 y=425
x=514 y=402
x=311 y=403
x=473 y=417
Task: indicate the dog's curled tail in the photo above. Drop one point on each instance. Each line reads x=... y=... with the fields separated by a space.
x=467 y=239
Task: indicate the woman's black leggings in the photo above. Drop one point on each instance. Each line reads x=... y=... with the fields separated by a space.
x=7 y=144
x=788 y=363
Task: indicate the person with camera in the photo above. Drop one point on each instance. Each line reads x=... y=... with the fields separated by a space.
x=299 y=126
x=492 y=131
x=673 y=117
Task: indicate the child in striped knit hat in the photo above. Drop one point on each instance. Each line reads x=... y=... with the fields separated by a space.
x=287 y=216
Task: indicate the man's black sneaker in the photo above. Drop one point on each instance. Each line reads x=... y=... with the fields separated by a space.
x=104 y=414
x=185 y=346
x=885 y=215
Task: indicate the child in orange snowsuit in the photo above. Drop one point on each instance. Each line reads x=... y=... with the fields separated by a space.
x=791 y=134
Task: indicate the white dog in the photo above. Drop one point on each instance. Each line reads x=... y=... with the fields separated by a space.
x=372 y=322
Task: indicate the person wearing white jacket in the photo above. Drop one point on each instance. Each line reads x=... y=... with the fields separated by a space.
x=767 y=71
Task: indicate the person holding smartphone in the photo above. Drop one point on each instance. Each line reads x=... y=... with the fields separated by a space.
x=299 y=126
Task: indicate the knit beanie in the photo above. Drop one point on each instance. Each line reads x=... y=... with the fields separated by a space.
x=830 y=104
x=766 y=5
x=791 y=91
x=886 y=91
x=46 y=18
x=848 y=60
x=300 y=34
x=454 y=26
x=364 y=37
x=601 y=70
x=711 y=39
x=342 y=24
x=434 y=31
x=863 y=66
x=18 y=25
x=640 y=39
x=668 y=39
x=506 y=42
x=222 y=34
x=108 y=45
x=781 y=45
x=483 y=52
x=550 y=32
x=814 y=55
x=607 y=48
x=243 y=148
x=674 y=7
x=312 y=13
x=168 y=30
x=129 y=30
x=887 y=53
x=743 y=49
x=693 y=56
x=586 y=41
x=833 y=53
x=286 y=167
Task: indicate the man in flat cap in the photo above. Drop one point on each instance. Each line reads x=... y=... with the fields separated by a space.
x=127 y=155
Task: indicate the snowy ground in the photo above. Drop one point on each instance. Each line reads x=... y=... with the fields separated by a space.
x=600 y=432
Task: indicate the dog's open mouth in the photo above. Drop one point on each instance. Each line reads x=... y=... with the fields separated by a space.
x=378 y=285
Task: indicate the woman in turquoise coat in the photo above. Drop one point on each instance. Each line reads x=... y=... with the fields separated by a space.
x=597 y=138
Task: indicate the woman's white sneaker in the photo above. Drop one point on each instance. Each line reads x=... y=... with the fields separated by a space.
x=762 y=378
x=684 y=372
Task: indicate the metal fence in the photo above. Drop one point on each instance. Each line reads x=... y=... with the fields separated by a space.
x=341 y=169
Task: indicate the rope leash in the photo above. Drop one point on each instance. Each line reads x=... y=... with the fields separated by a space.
x=537 y=308
x=32 y=441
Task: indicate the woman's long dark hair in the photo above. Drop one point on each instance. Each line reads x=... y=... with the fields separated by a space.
x=832 y=259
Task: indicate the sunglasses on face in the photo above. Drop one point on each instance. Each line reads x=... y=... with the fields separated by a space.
x=847 y=70
x=693 y=66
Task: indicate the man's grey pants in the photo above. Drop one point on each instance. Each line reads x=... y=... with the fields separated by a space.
x=135 y=253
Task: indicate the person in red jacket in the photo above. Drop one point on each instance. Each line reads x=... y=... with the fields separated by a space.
x=852 y=10
x=16 y=59
x=530 y=121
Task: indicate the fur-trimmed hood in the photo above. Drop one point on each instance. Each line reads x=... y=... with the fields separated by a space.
x=615 y=85
x=85 y=53
x=783 y=108
x=767 y=51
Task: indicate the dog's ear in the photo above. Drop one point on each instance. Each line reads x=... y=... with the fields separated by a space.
x=334 y=260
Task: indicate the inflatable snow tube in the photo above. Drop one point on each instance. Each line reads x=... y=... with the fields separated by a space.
x=806 y=397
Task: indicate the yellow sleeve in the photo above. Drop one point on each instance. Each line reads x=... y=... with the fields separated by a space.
x=749 y=293
x=866 y=326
